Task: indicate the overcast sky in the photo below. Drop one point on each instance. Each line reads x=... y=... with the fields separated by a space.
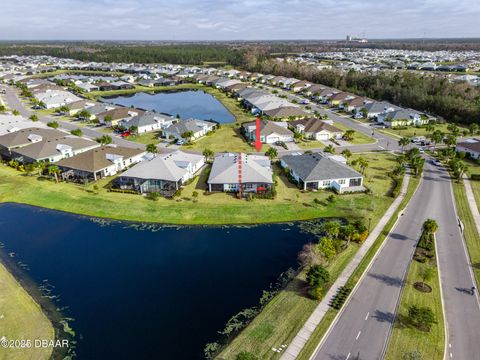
x=236 y=19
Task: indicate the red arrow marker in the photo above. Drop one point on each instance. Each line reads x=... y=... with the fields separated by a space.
x=258 y=143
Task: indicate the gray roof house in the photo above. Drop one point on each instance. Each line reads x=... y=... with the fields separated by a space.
x=37 y=144
x=316 y=171
x=199 y=128
x=270 y=131
x=235 y=172
x=149 y=121
x=163 y=173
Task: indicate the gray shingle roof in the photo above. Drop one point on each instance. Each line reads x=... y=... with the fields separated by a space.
x=254 y=169
x=315 y=167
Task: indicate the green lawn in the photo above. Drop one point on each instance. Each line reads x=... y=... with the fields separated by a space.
x=322 y=328
x=407 y=338
x=310 y=144
x=413 y=131
x=474 y=168
x=218 y=208
x=227 y=138
x=472 y=238
x=152 y=137
x=21 y=318
x=358 y=138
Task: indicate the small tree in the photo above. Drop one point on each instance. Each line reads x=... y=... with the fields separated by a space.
x=104 y=140
x=317 y=275
x=346 y=153
x=53 y=124
x=421 y=317
x=76 y=132
x=329 y=149
x=271 y=153
x=327 y=248
x=55 y=171
x=426 y=273
x=404 y=141
x=152 y=148
x=331 y=229
x=208 y=154
x=16 y=112
x=187 y=135
x=349 y=135
x=430 y=226
x=33 y=117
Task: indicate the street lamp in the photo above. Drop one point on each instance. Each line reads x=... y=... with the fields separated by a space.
x=369 y=223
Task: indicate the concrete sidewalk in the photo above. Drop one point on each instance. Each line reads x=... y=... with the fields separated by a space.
x=310 y=325
x=472 y=203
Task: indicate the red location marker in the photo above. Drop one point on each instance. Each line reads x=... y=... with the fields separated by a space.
x=258 y=143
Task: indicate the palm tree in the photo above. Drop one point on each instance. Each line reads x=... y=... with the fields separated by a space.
x=133 y=129
x=346 y=153
x=104 y=139
x=404 y=141
x=451 y=140
x=349 y=232
x=55 y=171
x=331 y=229
x=33 y=117
x=152 y=148
x=271 y=153
x=41 y=166
x=417 y=163
x=208 y=154
x=437 y=137
x=329 y=149
x=473 y=129
x=187 y=135
x=430 y=128
x=348 y=135
x=430 y=226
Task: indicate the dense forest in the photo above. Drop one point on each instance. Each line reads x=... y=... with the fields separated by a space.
x=192 y=54
x=454 y=101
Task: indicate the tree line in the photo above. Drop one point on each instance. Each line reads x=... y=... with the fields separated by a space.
x=457 y=102
x=193 y=54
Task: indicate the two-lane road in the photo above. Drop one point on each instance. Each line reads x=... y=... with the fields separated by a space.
x=362 y=329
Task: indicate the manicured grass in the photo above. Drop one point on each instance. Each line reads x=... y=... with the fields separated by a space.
x=405 y=337
x=227 y=138
x=21 y=318
x=413 y=131
x=322 y=328
x=474 y=168
x=217 y=208
x=152 y=137
x=472 y=238
x=358 y=137
x=310 y=144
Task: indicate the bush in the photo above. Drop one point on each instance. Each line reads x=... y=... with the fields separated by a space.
x=317 y=275
x=316 y=292
x=421 y=317
x=155 y=196
x=331 y=198
x=245 y=355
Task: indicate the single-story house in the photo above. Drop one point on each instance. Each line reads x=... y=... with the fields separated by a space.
x=470 y=146
x=77 y=106
x=39 y=144
x=11 y=123
x=56 y=98
x=149 y=121
x=115 y=116
x=285 y=112
x=376 y=108
x=270 y=131
x=100 y=162
x=316 y=129
x=163 y=173
x=339 y=98
x=402 y=117
x=315 y=171
x=198 y=128
x=240 y=172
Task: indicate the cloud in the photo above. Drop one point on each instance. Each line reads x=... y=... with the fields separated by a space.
x=241 y=19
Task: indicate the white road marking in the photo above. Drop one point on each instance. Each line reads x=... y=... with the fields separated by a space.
x=348 y=356
x=451 y=355
x=358 y=335
x=368 y=314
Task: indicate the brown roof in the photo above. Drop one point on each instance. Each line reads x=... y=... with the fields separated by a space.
x=268 y=127
x=96 y=159
x=340 y=96
x=473 y=146
x=21 y=137
x=118 y=113
x=314 y=125
x=285 y=111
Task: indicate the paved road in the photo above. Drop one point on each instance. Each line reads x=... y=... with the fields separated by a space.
x=361 y=331
x=11 y=97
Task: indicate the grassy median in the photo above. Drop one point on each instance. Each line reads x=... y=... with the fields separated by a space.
x=406 y=338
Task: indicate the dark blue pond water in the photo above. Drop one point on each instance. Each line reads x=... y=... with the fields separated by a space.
x=144 y=294
x=187 y=104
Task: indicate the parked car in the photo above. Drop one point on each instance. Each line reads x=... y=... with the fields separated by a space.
x=304 y=102
x=125 y=134
x=180 y=142
x=3 y=91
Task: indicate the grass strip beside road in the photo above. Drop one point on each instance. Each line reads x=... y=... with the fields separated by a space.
x=470 y=234
x=359 y=138
x=329 y=317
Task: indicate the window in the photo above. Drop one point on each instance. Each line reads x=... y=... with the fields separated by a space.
x=342 y=181
x=326 y=183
